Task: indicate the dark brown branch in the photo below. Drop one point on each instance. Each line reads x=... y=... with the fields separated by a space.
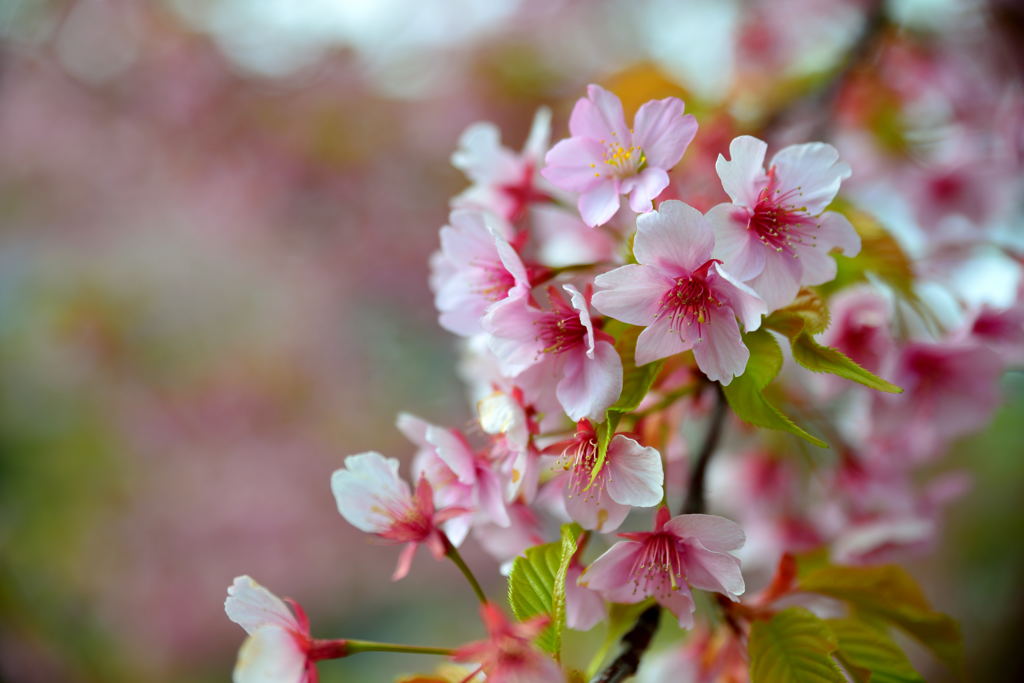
x=636 y=642
x=695 y=496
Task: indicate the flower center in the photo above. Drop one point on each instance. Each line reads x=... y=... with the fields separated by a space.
x=560 y=329
x=579 y=459
x=658 y=568
x=620 y=161
x=778 y=221
x=494 y=280
x=690 y=300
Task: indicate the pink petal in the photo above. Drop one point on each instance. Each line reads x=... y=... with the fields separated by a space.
x=736 y=246
x=481 y=156
x=540 y=135
x=721 y=354
x=644 y=188
x=745 y=302
x=817 y=265
x=573 y=164
x=595 y=510
x=584 y=608
x=454 y=452
x=404 y=562
x=491 y=498
x=835 y=230
x=714 y=532
x=579 y=302
x=675 y=238
x=711 y=571
x=600 y=202
x=590 y=386
x=600 y=117
x=663 y=131
x=680 y=603
x=743 y=175
x=779 y=282
x=514 y=341
x=659 y=340
x=813 y=171
x=612 y=573
x=631 y=293
x=635 y=475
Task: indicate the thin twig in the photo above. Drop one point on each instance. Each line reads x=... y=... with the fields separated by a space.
x=695 y=496
x=636 y=640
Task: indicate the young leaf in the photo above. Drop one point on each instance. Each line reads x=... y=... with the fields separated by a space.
x=793 y=647
x=818 y=358
x=636 y=380
x=870 y=655
x=889 y=593
x=744 y=393
x=808 y=313
x=536 y=585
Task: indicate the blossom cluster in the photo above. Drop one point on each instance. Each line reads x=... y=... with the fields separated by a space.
x=598 y=311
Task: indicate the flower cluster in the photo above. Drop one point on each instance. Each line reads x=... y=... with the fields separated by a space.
x=591 y=329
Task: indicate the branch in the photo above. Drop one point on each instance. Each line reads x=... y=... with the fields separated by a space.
x=636 y=641
x=695 y=496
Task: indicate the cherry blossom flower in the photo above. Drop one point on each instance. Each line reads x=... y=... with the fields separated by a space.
x=279 y=648
x=582 y=361
x=604 y=159
x=776 y=235
x=504 y=182
x=374 y=499
x=508 y=655
x=631 y=476
x=684 y=298
x=687 y=549
x=476 y=268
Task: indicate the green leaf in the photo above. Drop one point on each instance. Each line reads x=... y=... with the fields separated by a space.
x=636 y=380
x=889 y=593
x=870 y=655
x=806 y=316
x=793 y=647
x=744 y=393
x=536 y=586
x=818 y=358
x=605 y=431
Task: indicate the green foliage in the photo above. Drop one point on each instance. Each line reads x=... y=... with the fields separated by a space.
x=794 y=646
x=636 y=380
x=869 y=654
x=889 y=594
x=807 y=316
x=745 y=393
x=536 y=586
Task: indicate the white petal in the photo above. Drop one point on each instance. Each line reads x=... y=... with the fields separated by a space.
x=721 y=353
x=631 y=293
x=714 y=532
x=736 y=246
x=270 y=655
x=812 y=172
x=743 y=175
x=369 y=492
x=252 y=606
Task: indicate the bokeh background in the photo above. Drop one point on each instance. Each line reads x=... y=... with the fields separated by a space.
x=215 y=224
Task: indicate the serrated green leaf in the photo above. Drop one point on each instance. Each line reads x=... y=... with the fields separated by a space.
x=870 y=655
x=889 y=593
x=793 y=647
x=818 y=358
x=745 y=393
x=536 y=585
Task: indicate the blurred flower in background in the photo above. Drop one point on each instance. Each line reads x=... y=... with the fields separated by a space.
x=215 y=218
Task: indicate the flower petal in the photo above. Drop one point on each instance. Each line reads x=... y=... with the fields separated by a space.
x=252 y=606
x=711 y=571
x=659 y=340
x=675 y=238
x=270 y=655
x=779 y=282
x=631 y=293
x=369 y=492
x=644 y=188
x=611 y=574
x=571 y=164
x=590 y=386
x=599 y=203
x=635 y=474
x=663 y=131
x=714 y=532
x=745 y=302
x=721 y=353
x=743 y=175
x=736 y=246
x=811 y=170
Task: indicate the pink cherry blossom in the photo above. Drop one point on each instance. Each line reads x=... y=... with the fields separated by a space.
x=580 y=360
x=684 y=298
x=374 y=499
x=279 y=648
x=682 y=550
x=504 y=182
x=476 y=268
x=508 y=655
x=776 y=235
x=859 y=327
x=631 y=476
x=604 y=159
